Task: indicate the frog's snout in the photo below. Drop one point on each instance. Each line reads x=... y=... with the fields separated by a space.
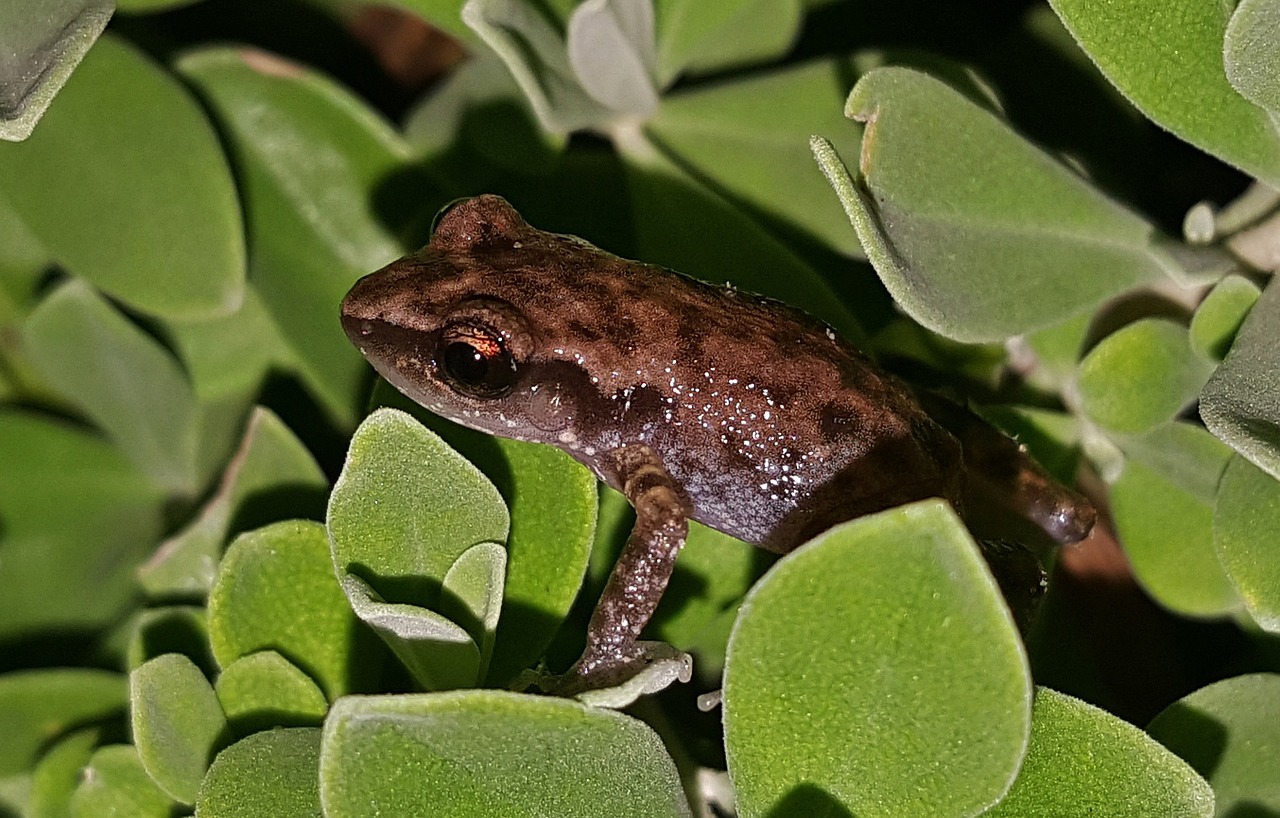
x=361 y=309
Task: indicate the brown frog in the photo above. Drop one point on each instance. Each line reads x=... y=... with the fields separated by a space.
x=695 y=401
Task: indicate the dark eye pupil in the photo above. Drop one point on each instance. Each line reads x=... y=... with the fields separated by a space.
x=465 y=363
x=476 y=362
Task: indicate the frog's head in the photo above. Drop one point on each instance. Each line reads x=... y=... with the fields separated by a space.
x=448 y=329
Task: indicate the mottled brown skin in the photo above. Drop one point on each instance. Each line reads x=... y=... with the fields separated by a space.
x=697 y=402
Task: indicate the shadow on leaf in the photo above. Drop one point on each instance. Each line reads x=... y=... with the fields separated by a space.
x=809 y=801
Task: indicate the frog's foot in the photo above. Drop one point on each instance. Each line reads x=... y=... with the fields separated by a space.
x=617 y=681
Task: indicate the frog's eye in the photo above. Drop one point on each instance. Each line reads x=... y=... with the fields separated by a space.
x=475 y=361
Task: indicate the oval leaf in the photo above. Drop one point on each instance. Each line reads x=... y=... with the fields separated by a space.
x=1166 y=57
x=177 y=723
x=276 y=591
x=1230 y=733
x=1141 y=375
x=271 y=463
x=405 y=508
x=492 y=754
x=953 y=208
x=878 y=668
x=114 y=783
x=1220 y=315
x=122 y=379
x=54 y=779
x=719 y=134
x=702 y=37
x=1122 y=773
x=535 y=54
x=266 y=775
x=1241 y=402
x=37 y=54
x=1252 y=51
x=77 y=519
x=472 y=594
x=1163 y=504
x=37 y=705
x=264 y=690
x=170 y=629
x=1246 y=522
x=610 y=47
x=438 y=654
x=313 y=159
x=125 y=183
x=553 y=516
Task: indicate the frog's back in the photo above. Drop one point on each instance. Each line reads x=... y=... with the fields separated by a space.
x=775 y=426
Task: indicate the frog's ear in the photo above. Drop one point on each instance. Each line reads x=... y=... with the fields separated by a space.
x=465 y=223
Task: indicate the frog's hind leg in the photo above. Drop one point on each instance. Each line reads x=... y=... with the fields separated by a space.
x=640 y=576
x=1007 y=494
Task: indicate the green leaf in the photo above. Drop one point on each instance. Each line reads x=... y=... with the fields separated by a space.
x=1251 y=52
x=552 y=499
x=1163 y=504
x=952 y=208
x=1220 y=315
x=276 y=590
x=1084 y=761
x=77 y=518
x=479 y=105
x=1241 y=402
x=471 y=594
x=1230 y=733
x=177 y=723
x=40 y=705
x=1245 y=523
x=443 y=14
x=1141 y=375
x=264 y=690
x=58 y=772
x=610 y=48
x=492 y=754
x=750 y=138
x=122 y=379
x=38 y=52
x=877 y=667
x=230 y=354
x=271 y=476
x=701 y=37
x=266 y=775
x=125 y=183
x=311 y=158
x=534 y=51
x=553 y=515
x=172 y=629
x=1166 y=57
x=438 y=654
x=405 y=508
x=115 y=784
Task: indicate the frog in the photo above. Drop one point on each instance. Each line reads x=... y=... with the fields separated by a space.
x=695 y=401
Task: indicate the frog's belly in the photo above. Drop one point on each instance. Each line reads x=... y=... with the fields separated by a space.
x=780 y=508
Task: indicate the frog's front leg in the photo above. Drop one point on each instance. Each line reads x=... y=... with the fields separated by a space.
x=639 y=577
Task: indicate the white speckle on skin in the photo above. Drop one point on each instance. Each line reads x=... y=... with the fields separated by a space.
x=567 y=437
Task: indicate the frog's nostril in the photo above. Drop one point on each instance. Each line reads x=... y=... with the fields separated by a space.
x=365 y=328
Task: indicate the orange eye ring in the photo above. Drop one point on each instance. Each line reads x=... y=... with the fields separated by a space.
x=475 y=361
